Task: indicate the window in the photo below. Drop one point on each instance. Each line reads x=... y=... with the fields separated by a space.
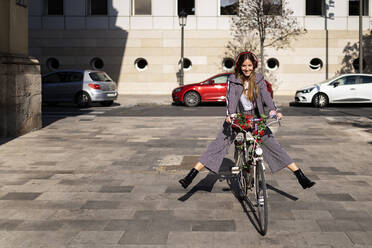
x=220 y=80
x=141 y=64
x=316 y=64
x=366 y=80
x=272 y=7
x=55 y=7
x=229 y=7
x=314 y=7
x=98 y=7
x=52 y=64
x=354 y=7
x=187 y=5
x=350 y=80
x=228 y=64
x=272 y=64
x=75 y=77
x=142 y=7
x=51 y=78
x=100 y=76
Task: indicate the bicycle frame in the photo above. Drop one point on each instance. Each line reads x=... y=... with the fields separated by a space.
x=252 y=151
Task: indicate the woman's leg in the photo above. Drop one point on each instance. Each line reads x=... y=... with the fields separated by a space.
x=185 y=182
x=302 y=179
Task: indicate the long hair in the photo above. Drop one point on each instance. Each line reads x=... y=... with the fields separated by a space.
x=249 y=83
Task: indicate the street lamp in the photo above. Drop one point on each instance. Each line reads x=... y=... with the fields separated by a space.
x=182 y=16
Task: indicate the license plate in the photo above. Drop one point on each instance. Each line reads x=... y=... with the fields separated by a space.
x=111 y=94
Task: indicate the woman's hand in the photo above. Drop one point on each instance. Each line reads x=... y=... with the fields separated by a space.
x=273 y=112
x=228 y=119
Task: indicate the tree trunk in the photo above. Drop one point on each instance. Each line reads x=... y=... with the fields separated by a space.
x=262 y=56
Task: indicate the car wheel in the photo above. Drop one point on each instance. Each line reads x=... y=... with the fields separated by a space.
x=106 y=103
x=83 y=100
x=191 y=99
x=320 y=100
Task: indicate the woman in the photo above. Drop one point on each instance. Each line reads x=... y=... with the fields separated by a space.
x=246 y=92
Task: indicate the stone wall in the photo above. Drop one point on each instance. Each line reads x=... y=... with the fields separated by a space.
x=20 y=95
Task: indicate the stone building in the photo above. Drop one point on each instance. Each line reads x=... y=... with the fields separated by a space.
x=20 y=91
x=138 y=41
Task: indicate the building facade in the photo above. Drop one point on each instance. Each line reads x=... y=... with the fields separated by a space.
x=138 y=42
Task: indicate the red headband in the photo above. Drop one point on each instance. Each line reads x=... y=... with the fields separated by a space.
x=255 y=62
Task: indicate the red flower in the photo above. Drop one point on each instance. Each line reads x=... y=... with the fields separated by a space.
x=262 y=132
x=255 y=133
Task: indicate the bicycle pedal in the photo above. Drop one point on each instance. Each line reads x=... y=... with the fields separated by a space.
x=235 y=170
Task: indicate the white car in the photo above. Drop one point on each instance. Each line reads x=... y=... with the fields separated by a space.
x=346 y=88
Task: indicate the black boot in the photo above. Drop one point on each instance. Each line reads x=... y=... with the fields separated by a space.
x=185 y=182
x=303 y=180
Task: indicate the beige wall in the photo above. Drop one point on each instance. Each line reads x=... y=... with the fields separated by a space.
x=13 y=28
x=161 y=48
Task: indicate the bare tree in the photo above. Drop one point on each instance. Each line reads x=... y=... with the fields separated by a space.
x=263 y=23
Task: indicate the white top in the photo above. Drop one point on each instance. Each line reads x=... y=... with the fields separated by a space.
x=247 y=104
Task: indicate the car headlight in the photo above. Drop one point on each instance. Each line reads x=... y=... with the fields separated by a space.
x=177 y=90
x=308 y=90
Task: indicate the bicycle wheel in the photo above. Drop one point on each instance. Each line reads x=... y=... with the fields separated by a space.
x=261 y=198
x=242 y=176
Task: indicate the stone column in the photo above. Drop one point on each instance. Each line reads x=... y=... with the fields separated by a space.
x=20 y=79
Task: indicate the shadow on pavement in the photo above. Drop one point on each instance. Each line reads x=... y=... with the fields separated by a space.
x=54 y=112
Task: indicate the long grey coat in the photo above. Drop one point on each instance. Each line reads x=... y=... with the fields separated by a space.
x=274 y=155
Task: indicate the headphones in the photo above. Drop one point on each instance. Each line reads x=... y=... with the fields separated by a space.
x=255 y=62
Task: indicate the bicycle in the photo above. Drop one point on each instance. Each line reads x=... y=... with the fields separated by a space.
x=249 y=167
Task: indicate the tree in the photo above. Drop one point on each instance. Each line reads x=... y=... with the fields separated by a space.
x=263 y=23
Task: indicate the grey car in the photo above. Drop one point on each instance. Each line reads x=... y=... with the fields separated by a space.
x=78 y=86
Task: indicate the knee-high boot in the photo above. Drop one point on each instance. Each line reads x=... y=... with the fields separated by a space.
x=185 y=182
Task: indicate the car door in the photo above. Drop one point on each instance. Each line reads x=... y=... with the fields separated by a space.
x=364 y=89
x=343 y=89
x=49 y=90
x=220 y=85
x=216 y=89
x=72 y=85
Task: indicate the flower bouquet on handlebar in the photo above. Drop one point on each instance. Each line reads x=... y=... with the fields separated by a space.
x=249 y=123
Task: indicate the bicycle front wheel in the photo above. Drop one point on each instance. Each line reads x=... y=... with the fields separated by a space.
x=261 y=198
x=242 y=176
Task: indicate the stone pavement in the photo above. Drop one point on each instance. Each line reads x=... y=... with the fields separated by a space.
x=97 y=182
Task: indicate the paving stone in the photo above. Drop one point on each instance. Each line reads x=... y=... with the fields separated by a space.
x=213 y=226
x=20 y=196
x=96 y=238
x=360 y=238
x=347 y=214
x=339 y=225
x=335 y=197
x=84 y=225
x=9 y=225
x=101 y=205
x=34 y=225
x=116 y=189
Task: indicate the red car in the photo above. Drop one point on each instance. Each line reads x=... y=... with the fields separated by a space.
x=211 y=90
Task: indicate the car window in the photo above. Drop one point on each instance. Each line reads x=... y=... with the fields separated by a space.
x=350 y=80
x=75 y=77
x=52 y=78
x=100 y=76
x=366 y=80
x=220 y=79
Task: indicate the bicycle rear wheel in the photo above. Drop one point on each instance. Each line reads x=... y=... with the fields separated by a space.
x=261 y=198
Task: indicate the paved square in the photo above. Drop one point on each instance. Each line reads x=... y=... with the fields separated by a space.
x=112 y=182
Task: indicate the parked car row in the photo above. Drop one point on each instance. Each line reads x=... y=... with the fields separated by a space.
x=212 y=89
x=78 y=86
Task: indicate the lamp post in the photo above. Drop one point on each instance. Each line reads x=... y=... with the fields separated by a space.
x=182 y=16
x=360 y=36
